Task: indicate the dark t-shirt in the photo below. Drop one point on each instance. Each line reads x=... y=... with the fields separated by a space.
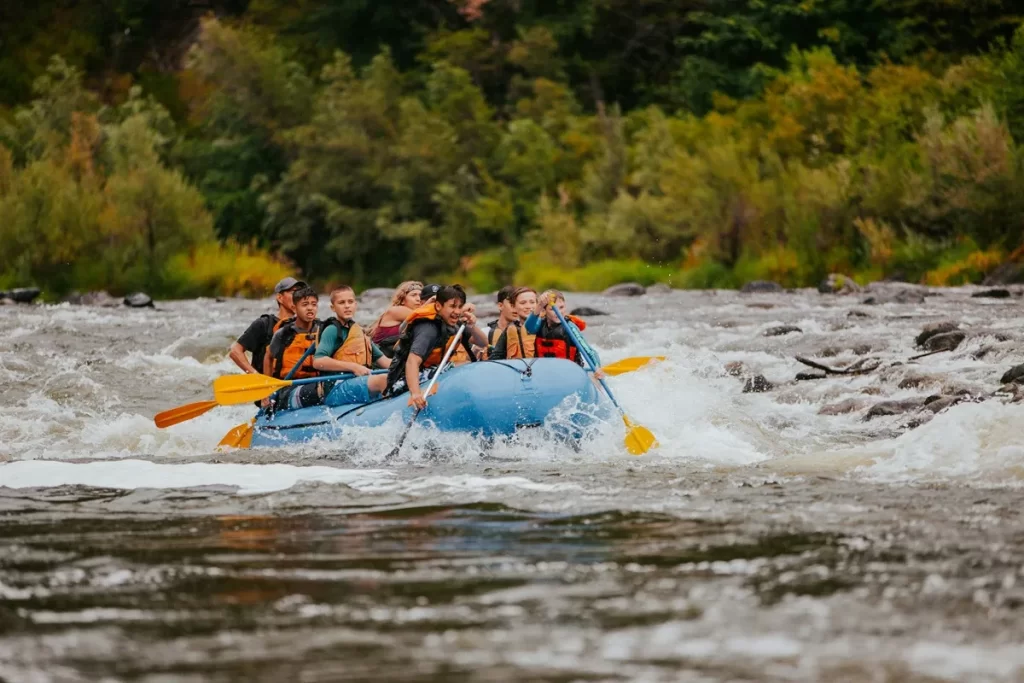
x=425 y=338
x=256 y=338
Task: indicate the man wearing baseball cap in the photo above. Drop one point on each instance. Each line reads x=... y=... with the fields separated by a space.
x=257 y=336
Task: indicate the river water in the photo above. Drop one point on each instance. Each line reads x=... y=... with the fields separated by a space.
x=763 y=540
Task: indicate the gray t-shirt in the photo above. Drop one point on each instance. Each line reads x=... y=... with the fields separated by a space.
x=425 y=338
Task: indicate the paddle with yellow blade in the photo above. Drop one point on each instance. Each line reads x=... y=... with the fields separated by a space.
x=621 y=367
x=231 y=390
x=639 y=439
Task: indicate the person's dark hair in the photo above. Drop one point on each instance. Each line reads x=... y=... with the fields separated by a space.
x=505 y=293
x=451 y=292
x=300 y=294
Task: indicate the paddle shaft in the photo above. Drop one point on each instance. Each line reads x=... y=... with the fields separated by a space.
x=571 y=332
x=426 y=395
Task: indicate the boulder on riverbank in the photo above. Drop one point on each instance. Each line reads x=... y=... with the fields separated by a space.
x=625 y=289
x=586 y=312
x=139 y=300
x=839 y=284
x=21 y=295
x=762 y=287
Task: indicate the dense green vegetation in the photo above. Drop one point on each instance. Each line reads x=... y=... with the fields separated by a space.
x=566 y=142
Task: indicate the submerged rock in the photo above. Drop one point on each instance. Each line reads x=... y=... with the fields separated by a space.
x=757 y=384
x=625 y=289
x=586 y=312
x=933 y=329
x=947 y=341
x=992 y=294
x=886 y=408
x=781 y=330
x=738 y=368
x=937 y=404
x=1014 y=375
x=139 y=300
x=839 y=284
x=762 y=287
x=850 y=405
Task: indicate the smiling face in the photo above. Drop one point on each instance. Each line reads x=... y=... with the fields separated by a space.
x=343 y=303
x=305 y=309
x=450 y=311
x=525 y=303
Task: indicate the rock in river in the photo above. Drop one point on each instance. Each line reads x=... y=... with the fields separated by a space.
x=992 y=294
x=947 y=341
x=1014 y=375
x=625 y=289
x=586 y=312
x=762 y=287
x=21 y=295
x=757 y=384
x=139 y=300
x=781 y=330
x=933 y=329
x=838 y=284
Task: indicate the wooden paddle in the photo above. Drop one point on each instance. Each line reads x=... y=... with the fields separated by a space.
x=183 y=413
x=621 y=367
x=639 y=439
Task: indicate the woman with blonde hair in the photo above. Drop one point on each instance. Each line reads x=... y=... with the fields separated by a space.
x=385 y=331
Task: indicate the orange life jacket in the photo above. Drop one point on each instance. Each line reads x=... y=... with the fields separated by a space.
x=557 y=344
x=428 y=312
x=357 y=347
x=514 y=334
x=296 y=344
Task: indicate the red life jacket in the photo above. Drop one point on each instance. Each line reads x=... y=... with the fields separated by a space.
x=556 y=343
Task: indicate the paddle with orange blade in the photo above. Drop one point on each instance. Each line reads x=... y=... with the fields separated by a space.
x=183 y=413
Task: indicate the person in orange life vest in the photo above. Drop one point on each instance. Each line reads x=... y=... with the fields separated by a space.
x=506 y=315
x=257 y=336
x=552 y=340
x=426 y=336
x=294 y=338
x=515 y=342
x=345 y=347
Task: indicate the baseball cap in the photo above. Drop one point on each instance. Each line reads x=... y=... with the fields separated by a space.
x=288 y=283
x=429 y=291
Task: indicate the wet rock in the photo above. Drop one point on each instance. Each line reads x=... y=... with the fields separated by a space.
x=1014 y=375
x=138 y=300
x=781 y=330
x=887 y=408
x=808 y=376
x=737 y=368
x=939 y=403
x=839 y=284
x=947 y=341
x=914 y=380
x=659 y=288
x=850 y=405
x=762 y=287
x=586 y=312
x=858 y=314
x=4 y=301
x=933 y=329
x=894 y=293
x=757 y=384
x=992 y=294
x=377 y=293
x=21 y=295
x=763 y=305
x=100 y=298
x=625 y=289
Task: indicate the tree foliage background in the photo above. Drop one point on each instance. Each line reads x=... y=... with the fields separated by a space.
x=577 y=143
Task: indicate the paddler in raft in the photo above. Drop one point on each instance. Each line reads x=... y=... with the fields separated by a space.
x=514 y=341
x=343 y=346
x=257 y=336
x=290 y=352
x=425 y=338
x=385 y=331
x=506 y=316
x=551 y=340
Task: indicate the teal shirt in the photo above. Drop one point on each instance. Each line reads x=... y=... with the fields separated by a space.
x=331 y=341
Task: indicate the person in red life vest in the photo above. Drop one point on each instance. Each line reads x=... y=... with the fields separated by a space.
x=426 y=336
x=257 y=336
x=515 y=342
x=552 y=340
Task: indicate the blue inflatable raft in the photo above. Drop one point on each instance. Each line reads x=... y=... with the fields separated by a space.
x=487 y=399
